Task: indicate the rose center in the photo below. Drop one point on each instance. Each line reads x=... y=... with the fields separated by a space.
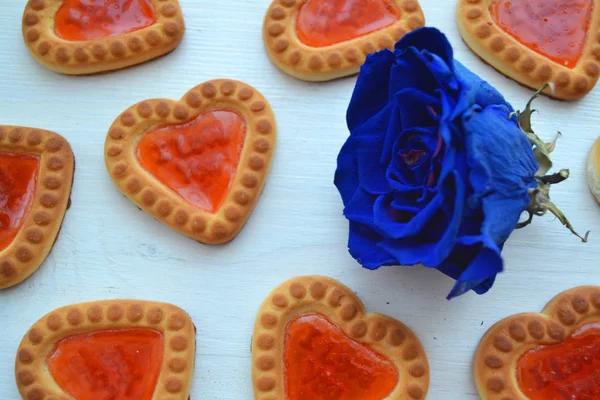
x=198 y=159
x=556 y=29
x=412 y=157
x=323 y=363
x=569 y=370
x=323 y=23
x=109 y=364
x=18 y=180
x=94 y=19
x=414 y=150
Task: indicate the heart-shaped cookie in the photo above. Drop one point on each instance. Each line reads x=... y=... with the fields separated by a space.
x=36 y=175
x=551 y=355
x=313 y=340
x=78 y=37
x=537 y=41
x=117 y=349
x=593 y=170
x=321 y=40
x=199 y=164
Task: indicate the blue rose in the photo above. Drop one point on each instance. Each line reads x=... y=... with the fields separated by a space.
x=436 y=171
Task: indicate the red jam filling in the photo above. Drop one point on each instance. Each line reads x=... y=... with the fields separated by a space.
x=323 y=363
x=108 y=365
x=18 y=179
x=198 y=159
x=322 y=23
x=566 y=371
x=556 y=29
x=94 y=19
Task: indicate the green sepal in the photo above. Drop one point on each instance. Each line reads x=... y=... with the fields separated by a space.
x=540 y=202
x=541 y=150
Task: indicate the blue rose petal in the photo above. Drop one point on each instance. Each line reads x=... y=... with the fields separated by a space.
x=476 y=91
x=362 y=243
x=360 y=208
x=483 y=261
x=430 y=40
x=369 y=147
x=346 y=175
x=387 y=218
x=416 y=108
x=369 y=98
x=502 y=169
x=435 y=171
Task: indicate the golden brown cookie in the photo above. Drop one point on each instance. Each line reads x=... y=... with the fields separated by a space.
x=36 y=175
x=125 y=349
x=199 y=164
x=593 y=170
x=558 y=43
x=551 y=355
x=314 y=340
x=321 y=40
x=78 y=37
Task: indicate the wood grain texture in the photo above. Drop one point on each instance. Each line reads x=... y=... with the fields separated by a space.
x=108 y=249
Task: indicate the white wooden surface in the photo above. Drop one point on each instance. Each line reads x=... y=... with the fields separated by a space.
x=108 y=249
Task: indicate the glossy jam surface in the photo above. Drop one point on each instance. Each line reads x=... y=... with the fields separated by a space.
x=323 y=23
x=197 y=160
x=323 y=363
x=18 y=179
x=566 y=371
x=119 y=364
x=94 y=19
x=556 y=29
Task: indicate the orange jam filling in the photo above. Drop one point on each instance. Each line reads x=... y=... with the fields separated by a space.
x=569 y=370
x=18 y=179
x=109 y=364
x=95 y=19
x=556 y=29
x=322 y=23
x=198 y=159
x=323 y=363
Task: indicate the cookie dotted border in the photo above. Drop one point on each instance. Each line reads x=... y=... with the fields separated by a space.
x=517 y=61
x=297 y=59
x=35 y=381
x=164 y=204
x=329 y=297
x=105 y=54
x=502 y=346
x=593 y=170
x=34 y=241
